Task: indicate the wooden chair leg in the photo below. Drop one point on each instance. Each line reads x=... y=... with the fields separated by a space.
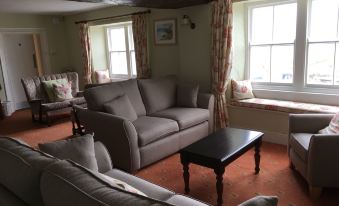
x=315 y=192
x=292 y=165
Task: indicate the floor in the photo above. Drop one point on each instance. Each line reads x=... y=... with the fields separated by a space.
x=240 y=183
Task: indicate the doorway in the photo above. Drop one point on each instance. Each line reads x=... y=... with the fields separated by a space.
x=22 y=56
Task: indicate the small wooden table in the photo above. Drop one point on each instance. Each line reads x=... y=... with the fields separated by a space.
x=218 y=150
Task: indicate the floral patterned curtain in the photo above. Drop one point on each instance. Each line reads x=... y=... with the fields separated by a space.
x=139 y=24
x=86 y=53
x=221 y=58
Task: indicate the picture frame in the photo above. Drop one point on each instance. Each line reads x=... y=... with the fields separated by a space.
x=165 y=32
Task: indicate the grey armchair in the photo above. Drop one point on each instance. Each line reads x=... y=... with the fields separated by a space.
x=314 y=156
x=38 y=100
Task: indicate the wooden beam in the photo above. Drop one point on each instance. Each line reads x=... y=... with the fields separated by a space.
x=38 y=56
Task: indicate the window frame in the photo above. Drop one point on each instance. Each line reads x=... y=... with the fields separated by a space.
x=299 y=90
x=128 y=36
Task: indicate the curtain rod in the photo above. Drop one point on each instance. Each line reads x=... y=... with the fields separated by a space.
x=111 y=17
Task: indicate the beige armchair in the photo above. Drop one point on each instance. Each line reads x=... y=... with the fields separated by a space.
x=314 y=156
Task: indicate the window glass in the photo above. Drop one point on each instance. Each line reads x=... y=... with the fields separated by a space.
x=119 y=63
x=282 y=64
x=285 y=17
x=260 y=63
x=262 y=22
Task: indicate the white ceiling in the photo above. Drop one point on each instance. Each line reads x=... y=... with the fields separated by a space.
x=52 y=7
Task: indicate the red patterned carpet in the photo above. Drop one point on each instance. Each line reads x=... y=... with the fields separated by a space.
x=240 y=183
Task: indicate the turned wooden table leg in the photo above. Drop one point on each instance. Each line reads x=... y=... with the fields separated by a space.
x=186 y=174
x=220 y=185
x=257 y=156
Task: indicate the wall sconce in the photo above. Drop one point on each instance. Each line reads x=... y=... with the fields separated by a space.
x=186 y=20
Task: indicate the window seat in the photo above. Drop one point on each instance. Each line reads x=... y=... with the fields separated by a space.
x=284 y=106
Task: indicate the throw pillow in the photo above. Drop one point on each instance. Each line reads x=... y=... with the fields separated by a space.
x=187 y=95
x=121 y=106
x=48 y=87
x=121 y=185
x=242 y=89
x=62 y=91
x=78 y=149
x=262 y=201
x=333 y=127
x=102 y=76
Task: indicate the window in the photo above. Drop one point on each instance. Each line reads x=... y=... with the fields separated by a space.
x=271 y=42
x=121 y=54
x=323 y=43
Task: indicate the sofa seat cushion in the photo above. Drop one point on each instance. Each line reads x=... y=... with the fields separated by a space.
x=300 y=142
x=182 y=200
x=78 y=100
x=55 y=105
x=150 y=129
x=151 y=190
x=186 y=117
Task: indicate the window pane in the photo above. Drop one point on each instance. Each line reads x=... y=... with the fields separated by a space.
x=336 y=73
x=260 y=63
x=320 y=63
x=119 y=63
x=324 y=14
x=282 y=64
x=133 y=63
x=117 y=36
x=130 y=38
x=262 y=22
x=285 y=17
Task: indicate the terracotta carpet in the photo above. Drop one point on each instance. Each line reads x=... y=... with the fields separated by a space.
x=240 y=183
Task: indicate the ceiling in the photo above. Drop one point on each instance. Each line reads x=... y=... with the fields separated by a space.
x=66 y=7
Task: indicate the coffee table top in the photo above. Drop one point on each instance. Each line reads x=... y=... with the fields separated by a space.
x=222 y=144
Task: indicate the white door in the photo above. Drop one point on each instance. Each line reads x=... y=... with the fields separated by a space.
x=18 y=50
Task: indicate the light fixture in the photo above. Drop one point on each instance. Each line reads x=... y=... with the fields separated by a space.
x=186 y=20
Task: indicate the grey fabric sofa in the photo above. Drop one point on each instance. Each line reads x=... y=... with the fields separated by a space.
x=39 y=102
x=161 y=128
x=315 y=156
x=31 y=177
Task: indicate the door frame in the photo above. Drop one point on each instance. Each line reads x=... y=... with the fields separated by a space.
x=44 y=50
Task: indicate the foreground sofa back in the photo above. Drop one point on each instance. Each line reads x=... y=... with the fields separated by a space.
x=161 y=128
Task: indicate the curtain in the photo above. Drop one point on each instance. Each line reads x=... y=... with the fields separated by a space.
x=139 y=25
x=86 y=53
x=221 y=59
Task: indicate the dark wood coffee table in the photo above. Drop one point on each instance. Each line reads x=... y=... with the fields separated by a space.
x=218 y=150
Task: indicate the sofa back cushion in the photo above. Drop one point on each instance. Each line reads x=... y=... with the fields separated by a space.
x=34 y=89
x=75 y=185
x=97 y=96
x=158 y=94
x=21 y=170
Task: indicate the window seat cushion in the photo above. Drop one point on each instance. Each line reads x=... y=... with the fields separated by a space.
x=284 y=106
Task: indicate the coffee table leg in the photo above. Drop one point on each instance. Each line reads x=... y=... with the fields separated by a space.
x=220 y=186
x=257 y=156
x=186 y=174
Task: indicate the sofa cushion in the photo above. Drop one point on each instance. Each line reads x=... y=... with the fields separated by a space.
x=150 y=129
x=121 y=106
x=97 y=96
x=78 y=100
x=181 y=200
x=261 y=201
x=78 y=149
x=300 y=142
x=158 y=94
x=7 y=198
x=21 y=170
x=186 y=117
x=75 y=185
x=187 y=95
x=55 y=105
x=62 y=91
x=148 y=188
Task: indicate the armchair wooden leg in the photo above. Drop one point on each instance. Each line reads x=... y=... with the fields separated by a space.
x=315 y=192
x=33 y=117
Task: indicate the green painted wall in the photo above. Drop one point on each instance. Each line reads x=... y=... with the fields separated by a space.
x=98 y=46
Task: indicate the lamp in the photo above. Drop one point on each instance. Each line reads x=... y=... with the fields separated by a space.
x=186 y=20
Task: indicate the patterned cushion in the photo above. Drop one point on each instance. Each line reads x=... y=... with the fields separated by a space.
x=62 y=91
x=102 y=76
x=48 y=86
x=242 y=89
x=333 y=127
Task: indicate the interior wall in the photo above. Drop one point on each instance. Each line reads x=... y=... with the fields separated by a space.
x=98 y=46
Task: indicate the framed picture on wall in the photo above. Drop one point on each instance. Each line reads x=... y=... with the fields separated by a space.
x=165 y=32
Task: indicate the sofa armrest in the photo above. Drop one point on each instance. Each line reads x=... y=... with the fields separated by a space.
x=103 y=158
x=323 y=158
x=206 y=101
x=116 y=133
x=308 y=123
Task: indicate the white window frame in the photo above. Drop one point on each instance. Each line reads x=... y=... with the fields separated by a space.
x=128 y=51
x=299 y=90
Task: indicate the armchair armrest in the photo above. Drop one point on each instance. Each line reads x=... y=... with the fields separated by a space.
x=323 y=158
x=308 y=123
x=103 y=158
x=80 y=94
x=116 y=133
x=206 y=101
